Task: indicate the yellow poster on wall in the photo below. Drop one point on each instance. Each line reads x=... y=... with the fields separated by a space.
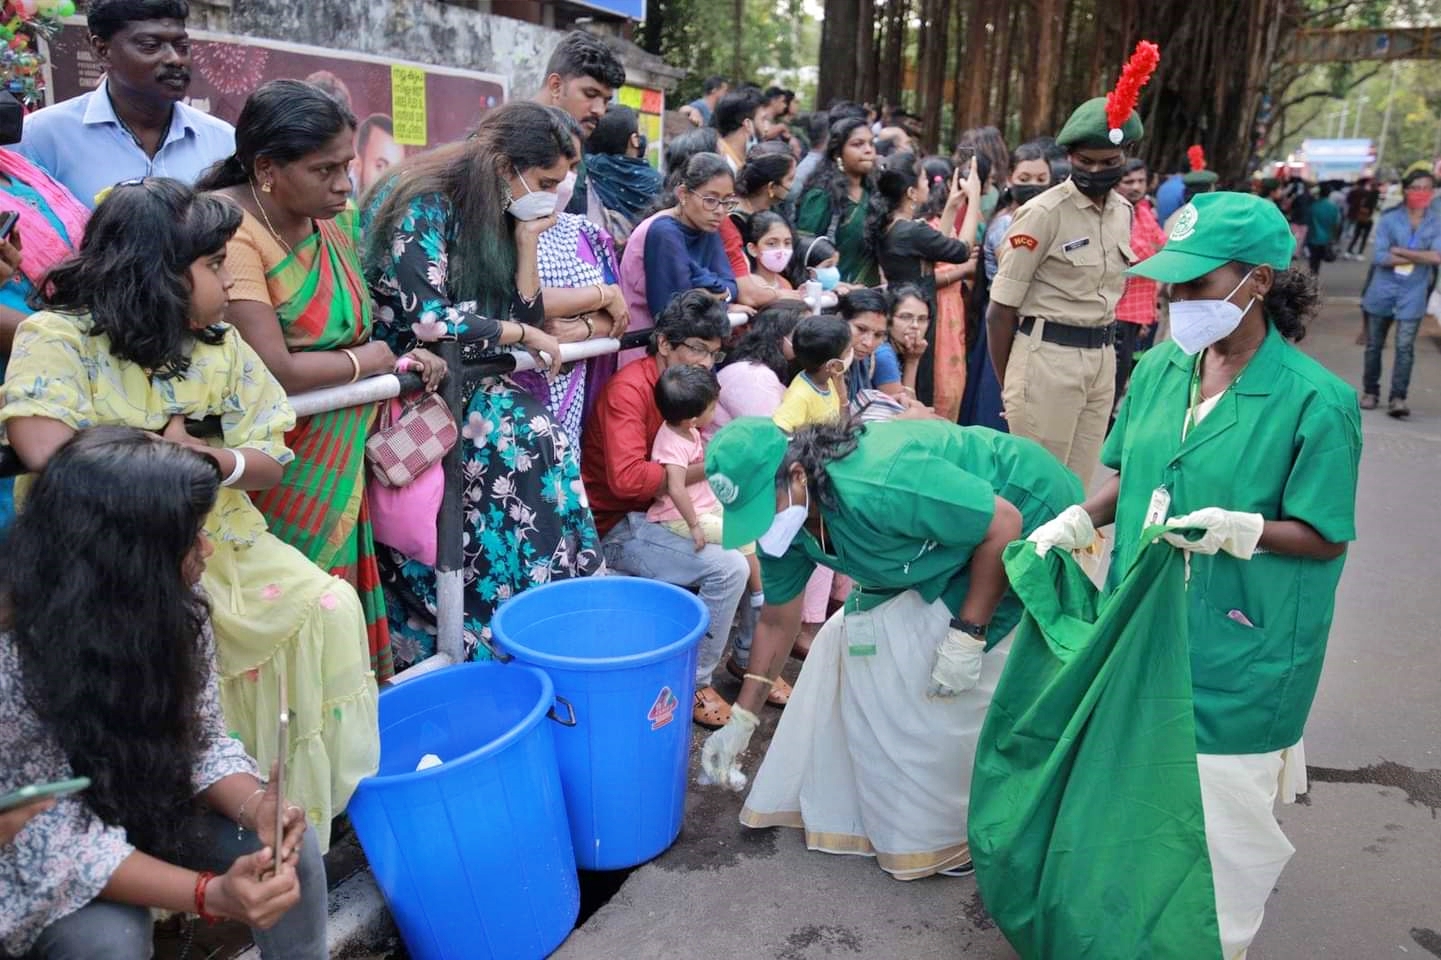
x=407 y=105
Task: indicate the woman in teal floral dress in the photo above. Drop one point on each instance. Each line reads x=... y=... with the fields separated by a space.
x=452 y=255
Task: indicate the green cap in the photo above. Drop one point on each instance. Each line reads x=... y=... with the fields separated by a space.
x=1088 y=128
x=741 y=464
x=1215 y=229
x=1199 y=178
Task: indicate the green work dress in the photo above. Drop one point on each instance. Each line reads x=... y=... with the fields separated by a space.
x=916 y=498
x=1283 y=441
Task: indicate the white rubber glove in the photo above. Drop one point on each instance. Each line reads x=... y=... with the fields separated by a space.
x=1070 y=530
x=958 y=664
x=1236 y=533
x=718 y=763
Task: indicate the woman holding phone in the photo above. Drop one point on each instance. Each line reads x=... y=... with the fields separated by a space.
x=106 y=673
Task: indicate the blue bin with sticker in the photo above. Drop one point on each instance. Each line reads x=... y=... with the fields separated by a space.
x=621 y=652
x=473 y=855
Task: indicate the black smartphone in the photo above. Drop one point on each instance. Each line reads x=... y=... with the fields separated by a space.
x=8 y=219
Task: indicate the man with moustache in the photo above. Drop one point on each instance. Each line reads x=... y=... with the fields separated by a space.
x=580 y=78
x=135 y=123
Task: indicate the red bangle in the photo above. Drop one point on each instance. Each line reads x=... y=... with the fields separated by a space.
x=201 y=882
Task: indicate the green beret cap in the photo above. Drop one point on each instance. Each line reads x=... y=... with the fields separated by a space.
x=1088 y=128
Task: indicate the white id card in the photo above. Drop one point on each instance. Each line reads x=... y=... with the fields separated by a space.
x=861 y=634
x=1404 y=269
x=1160 y=509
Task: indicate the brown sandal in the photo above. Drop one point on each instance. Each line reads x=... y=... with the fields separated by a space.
x=711 y=710
x=780 y=691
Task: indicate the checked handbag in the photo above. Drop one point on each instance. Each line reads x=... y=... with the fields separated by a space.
x=410 y=439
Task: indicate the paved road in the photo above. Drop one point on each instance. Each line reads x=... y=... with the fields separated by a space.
x=1366 y=878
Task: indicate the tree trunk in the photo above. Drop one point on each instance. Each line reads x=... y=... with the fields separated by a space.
x=866 y=83
x=933 y=76
x=1043 y=74
x=979 y=55
x=1001 y=83
x=839 y=30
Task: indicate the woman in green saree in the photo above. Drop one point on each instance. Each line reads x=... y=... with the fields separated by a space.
x=837 y=196
x=301 y=302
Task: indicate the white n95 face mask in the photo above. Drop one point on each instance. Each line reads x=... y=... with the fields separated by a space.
x=784 y=528
x=1196 y=324
x=535 y=205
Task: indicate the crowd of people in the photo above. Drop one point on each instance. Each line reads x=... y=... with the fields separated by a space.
x=860 y=467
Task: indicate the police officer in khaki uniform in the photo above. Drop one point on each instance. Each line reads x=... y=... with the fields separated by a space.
x=1052 y=320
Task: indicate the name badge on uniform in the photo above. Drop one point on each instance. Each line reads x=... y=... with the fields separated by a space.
x=1076 y=245
x=862 y=635
x=1159 y=510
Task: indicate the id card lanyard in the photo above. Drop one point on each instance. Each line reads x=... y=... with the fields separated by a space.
x=1160 y=508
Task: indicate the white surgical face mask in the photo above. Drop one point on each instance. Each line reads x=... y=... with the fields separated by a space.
x=535 y=205
x=785 y=527
x=1196 y=324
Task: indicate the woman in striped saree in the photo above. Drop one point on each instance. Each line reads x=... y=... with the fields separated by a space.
x=301 y=302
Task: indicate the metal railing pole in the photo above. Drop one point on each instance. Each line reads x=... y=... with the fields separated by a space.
x=450 y=525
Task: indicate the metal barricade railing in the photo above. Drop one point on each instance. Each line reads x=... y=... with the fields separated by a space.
x=450 y=529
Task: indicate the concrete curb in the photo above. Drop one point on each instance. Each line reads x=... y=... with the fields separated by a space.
x=359 y=923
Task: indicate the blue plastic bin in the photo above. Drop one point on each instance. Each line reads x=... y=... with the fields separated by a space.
x=473 y=856
x=622 y=651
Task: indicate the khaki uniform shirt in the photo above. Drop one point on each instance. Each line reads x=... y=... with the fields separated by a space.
x=1065 y=258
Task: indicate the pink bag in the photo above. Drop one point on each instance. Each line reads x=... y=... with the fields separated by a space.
x=405 y=517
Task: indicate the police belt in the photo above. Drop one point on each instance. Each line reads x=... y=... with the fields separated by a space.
x=1069 y=335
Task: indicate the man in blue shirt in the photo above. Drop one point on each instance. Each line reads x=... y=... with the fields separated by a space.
x=1170 y=197
x=1408 y=250
x=134 y=124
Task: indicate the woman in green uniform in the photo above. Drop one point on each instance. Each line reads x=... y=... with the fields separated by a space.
x=874 y=753
x=1231 y=431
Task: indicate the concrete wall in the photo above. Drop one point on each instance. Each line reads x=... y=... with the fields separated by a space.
x=421 y=30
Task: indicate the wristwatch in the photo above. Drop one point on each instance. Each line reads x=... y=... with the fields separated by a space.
x=977 y=630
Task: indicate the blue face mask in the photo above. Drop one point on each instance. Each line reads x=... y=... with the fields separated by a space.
x=828 y=277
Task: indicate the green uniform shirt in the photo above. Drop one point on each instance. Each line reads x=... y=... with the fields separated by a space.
x=916 y=498
x=1285 y=442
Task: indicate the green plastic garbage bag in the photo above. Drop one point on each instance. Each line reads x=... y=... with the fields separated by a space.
x=1085 y=821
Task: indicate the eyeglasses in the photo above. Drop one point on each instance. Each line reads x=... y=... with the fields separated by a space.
x=912 y=318
x=701 y=350
x=712 y=202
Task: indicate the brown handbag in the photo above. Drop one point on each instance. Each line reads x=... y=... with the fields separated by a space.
x=406 y=443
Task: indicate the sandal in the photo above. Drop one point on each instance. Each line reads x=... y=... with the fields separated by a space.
x=780 y=693
x=711 y=710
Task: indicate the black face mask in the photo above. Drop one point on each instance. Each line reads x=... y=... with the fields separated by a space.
x=12 y=119
x=1098 y=184
x=1024 y=193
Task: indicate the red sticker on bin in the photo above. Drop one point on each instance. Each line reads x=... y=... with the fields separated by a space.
x=1023 y=240
x=663 y=710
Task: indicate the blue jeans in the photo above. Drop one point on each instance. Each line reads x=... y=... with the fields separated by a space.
x=643 y=549
x=119 y=931
x=1377 y=327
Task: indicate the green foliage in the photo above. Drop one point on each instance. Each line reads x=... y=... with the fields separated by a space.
x=779 y=42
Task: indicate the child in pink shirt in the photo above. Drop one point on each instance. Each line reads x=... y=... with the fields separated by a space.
x=686 y=397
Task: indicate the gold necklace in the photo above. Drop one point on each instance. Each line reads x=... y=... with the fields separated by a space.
x=266 y=217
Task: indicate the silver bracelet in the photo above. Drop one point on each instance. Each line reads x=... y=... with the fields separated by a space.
x=238 y=472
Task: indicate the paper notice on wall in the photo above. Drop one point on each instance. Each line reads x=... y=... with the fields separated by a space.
x=407 y=105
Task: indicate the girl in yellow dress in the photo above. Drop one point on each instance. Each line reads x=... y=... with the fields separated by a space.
x=133 y=334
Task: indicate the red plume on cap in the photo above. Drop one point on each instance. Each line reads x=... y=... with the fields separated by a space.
x=1134 y=75
x=1197 y=157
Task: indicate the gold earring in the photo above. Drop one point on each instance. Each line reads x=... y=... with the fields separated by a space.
x=265 y=187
